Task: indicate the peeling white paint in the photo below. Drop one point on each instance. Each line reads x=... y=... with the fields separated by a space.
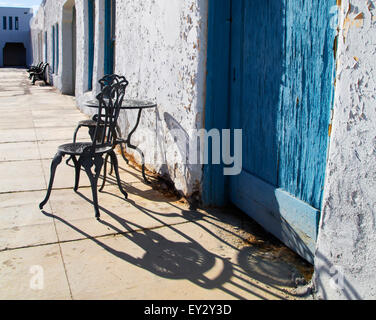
x=347 y=238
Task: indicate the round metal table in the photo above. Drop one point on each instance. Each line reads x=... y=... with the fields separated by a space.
x=132 y=104
x=128 y=104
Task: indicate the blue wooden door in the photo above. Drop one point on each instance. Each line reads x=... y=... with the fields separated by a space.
x=109 y=33
x=91 y=36
x=282 y=71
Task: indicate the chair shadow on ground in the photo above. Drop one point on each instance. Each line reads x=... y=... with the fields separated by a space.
x=188 y=259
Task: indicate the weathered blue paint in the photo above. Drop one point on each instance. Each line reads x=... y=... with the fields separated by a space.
x=293 y=221
x=57 y=48
x=91 y=16
x=108 y=48
x=45 y=47
x=281 y=96
x=306 y=98
x=53 y=48
x=215 y=184
x=281 y=92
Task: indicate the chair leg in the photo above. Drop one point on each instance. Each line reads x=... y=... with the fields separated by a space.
x=104 y=173
x=116 y=167
x=87 y=163
x=55 y=162
x=77 y=167
x=112 y=167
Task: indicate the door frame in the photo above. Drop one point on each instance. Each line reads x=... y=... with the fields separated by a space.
x=215 y=184
x=91 y=46
x=109 y=49
x=293 y=221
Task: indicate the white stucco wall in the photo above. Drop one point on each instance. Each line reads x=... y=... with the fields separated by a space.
x=161 y=50
x=346 y=257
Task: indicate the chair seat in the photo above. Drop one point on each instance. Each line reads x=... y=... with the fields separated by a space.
x=87 y=123
x=79 y=147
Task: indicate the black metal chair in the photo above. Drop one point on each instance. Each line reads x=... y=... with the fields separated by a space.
x=91 y=123
x=34 y=68
x=104 y=141
x=39 y=74
x=107 y=80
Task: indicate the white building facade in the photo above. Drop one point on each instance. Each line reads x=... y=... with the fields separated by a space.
x=164 y=49
x=15 y=41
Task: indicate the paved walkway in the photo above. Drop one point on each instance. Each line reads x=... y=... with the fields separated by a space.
x=150 y=247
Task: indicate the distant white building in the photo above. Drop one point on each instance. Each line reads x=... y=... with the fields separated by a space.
x=15 y=41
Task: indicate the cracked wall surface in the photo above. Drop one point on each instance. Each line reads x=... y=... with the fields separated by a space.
x=345 y=259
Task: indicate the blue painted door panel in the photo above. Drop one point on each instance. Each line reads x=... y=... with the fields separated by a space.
x=53 y=48
x=91 y=26
x=109 y=37
x=282 y=66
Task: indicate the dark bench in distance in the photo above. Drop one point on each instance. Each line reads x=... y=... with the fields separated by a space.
x=39 y=74
x=34 y=68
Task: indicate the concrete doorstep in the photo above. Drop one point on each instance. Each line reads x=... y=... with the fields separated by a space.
x=149 y=247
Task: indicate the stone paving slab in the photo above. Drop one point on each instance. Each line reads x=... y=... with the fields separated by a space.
x=65 y=121
x=27 y=236
x=51 y=114
x=21 y=209
x=21 y=176
x=21 y=222
x=63 y=133
x=17 y=135
x=19 y=151
x=35 y=273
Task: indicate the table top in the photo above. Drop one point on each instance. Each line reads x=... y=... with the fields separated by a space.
x=127 y=104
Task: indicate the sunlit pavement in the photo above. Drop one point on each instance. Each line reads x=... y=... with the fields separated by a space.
x=151 y=246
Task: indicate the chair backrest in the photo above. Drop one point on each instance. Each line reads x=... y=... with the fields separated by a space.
x=110 y=100
x=110 y=79
x=43 y=68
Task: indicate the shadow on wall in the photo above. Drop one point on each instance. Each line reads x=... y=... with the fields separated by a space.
x=181 y=140
x=333 y=277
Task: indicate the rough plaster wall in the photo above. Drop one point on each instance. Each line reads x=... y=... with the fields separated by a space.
x=36 y=26
x=161 y=49
x=48 y=16
x=347 y=239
